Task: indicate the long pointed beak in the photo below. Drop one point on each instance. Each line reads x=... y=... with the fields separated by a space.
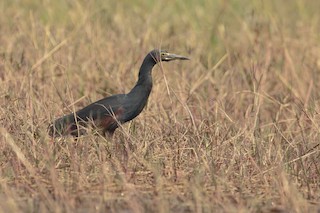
x=171 y=56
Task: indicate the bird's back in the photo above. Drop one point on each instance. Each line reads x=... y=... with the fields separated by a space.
x=104 y=107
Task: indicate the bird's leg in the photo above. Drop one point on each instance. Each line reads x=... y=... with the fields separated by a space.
x=122 y=153
x=118 y=146
x=125 y=156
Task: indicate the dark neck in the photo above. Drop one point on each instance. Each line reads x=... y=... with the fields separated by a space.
x=145 y=79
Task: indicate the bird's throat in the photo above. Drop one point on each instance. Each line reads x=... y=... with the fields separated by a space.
x=144 y=85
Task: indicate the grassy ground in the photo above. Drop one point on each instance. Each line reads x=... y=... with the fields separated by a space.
x=236 y=129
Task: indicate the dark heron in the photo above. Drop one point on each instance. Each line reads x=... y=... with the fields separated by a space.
x=106 y=114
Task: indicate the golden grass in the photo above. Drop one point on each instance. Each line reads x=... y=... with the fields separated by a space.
x=236 y=129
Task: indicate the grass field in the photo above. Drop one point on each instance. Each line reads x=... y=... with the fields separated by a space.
x=235 y=129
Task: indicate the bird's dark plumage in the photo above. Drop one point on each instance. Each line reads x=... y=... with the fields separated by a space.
x=106 y=114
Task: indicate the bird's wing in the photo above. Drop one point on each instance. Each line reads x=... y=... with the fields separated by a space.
x=104 y=107
x=98 y=112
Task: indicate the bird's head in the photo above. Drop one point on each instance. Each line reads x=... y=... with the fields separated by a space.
x=163 y=55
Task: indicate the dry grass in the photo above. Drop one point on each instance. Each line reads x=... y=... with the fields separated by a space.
x=236 y=129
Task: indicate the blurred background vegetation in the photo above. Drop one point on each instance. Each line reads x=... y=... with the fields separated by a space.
x=234 y=129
